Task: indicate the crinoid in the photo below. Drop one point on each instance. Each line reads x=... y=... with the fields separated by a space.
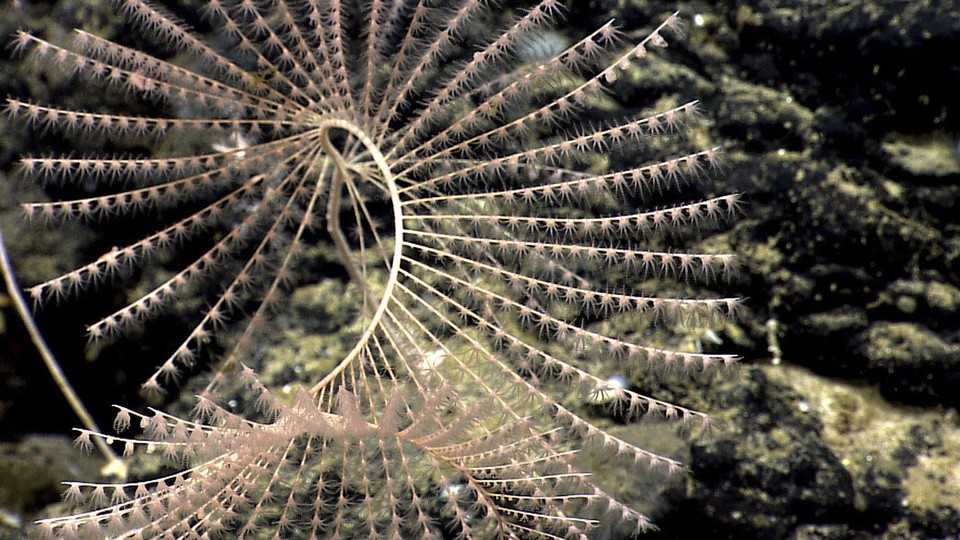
x=463 y=190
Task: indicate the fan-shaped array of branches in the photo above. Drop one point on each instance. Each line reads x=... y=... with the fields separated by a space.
x=452 y=170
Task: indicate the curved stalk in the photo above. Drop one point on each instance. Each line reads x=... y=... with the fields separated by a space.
x=333 y=226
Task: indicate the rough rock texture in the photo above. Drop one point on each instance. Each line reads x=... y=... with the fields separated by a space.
x=841 y=123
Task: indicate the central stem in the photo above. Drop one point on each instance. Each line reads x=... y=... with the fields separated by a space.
x=340 y=178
